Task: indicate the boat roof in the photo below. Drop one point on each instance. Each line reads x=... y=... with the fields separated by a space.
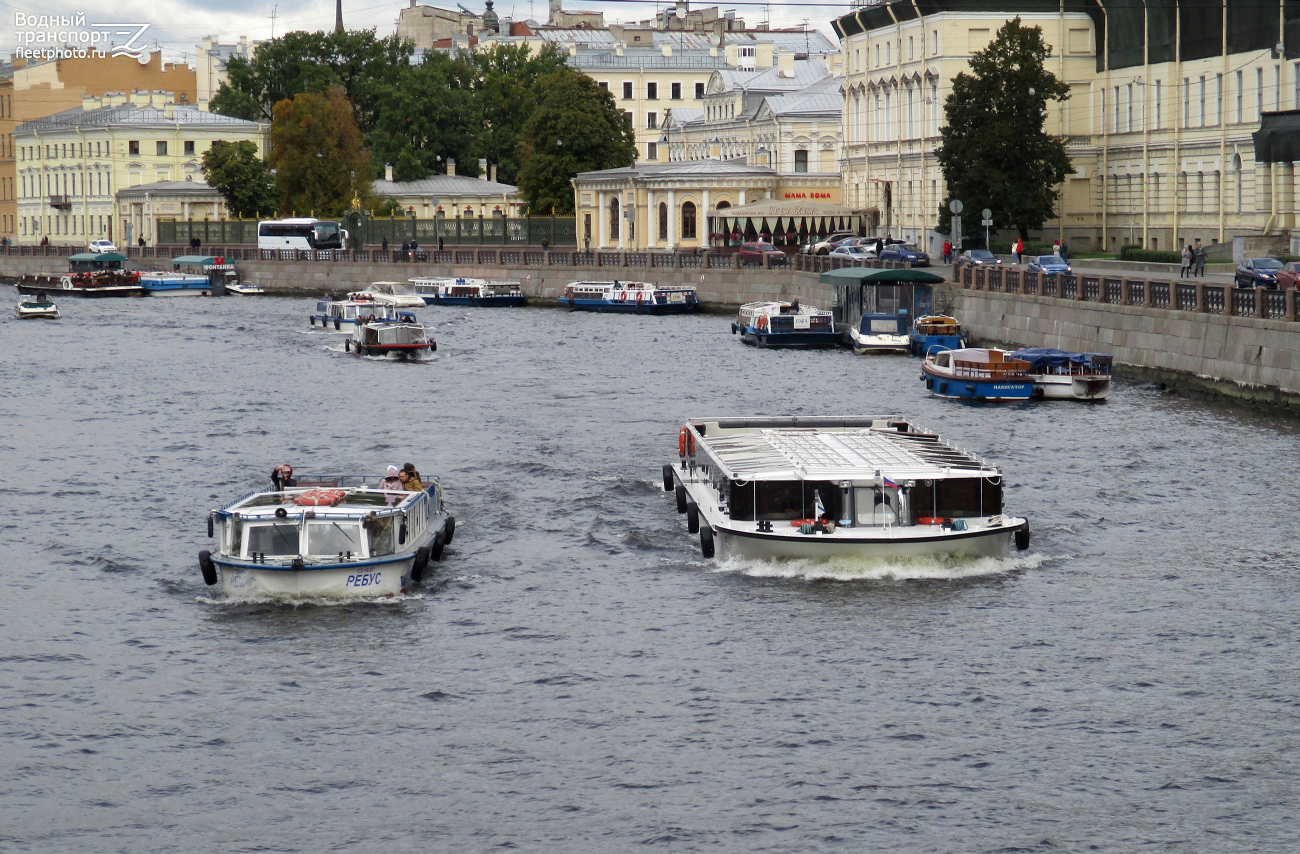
x=833 y=449
x=358 y=501
x=769 y=305
x=1047 y=357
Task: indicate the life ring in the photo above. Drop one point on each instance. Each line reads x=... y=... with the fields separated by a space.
x=622 y=296
x=931 y=520
x=761 y=322
x=681 y=442
x=320 y=498
x=640 y=295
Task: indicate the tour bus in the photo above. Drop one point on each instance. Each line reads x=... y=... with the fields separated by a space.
x=301 y=233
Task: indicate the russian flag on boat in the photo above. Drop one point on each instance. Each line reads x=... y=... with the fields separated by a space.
x=889 y=483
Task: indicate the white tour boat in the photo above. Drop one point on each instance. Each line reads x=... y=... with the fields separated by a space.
x=37 y=308
x=388 y=294
x=326 y=536
x=344 y=313
x=778 y=323
x=405 y=339
x=1059 y=375
x=630 y=297
x=463 y=291
x=819 y=487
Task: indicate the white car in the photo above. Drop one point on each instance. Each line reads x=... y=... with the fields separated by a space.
x=102 y=246
x=853 y=253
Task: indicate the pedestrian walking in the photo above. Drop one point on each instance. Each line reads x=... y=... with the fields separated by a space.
x=1187 y=261
x=1200 y=261
x=947 y=252
x=1056 y=248
x=1065 y=252
x=383 y=243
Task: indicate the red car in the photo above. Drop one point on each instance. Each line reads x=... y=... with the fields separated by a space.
x=1289 y=275
x=756 y=251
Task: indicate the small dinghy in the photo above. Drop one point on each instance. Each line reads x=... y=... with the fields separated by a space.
x=40 y=308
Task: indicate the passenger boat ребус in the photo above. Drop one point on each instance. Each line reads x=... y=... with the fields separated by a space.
x=785 y=324
x=629 y=297
x=975 y=373
x=1059 y=375
x=326 y=536
x=462 y=291
x=819 y=487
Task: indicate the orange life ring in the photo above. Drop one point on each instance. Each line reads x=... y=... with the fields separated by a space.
x=640 y=295
x=931 y=520
x=320 y=498
x=761 y=322
x=690 y=443
x=681 y=442
x=622 y=296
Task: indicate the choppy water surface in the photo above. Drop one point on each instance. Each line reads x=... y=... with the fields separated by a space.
x=577 y=678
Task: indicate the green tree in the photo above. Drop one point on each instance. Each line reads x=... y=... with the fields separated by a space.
x=316 y=149
x=429 y=115
x=995 y=151
x=508 y=88
x=242 y=178
x=576 y=128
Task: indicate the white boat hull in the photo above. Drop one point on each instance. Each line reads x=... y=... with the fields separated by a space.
x=879 y=343
x=909 y=542
x=367 y=581
x=1067 y=387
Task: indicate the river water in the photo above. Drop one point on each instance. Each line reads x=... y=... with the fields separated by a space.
x=576 y=677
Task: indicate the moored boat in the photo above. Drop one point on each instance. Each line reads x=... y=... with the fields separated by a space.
x=389 y=294
x=337 y=535
x=977 y=374
x=822 y=487
x=93 y=285
x=245 y=289
x=935 y=332
x=39 y=308
x=160 y=284
x=463 y=291
x=1059 y=375
x=880 y=333
x=405 y=339
x=785 y=324
x=629 y=297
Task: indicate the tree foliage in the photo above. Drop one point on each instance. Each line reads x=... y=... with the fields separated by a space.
x=428 y=117
x=995 y=151
x=317 y=151
x=242 y=178
x=576 y=128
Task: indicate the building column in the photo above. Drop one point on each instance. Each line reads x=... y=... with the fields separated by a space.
x=602 y=211
x=672 y=220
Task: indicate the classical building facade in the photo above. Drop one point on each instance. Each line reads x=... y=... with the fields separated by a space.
x=451 y=195
x=142 y=207
x=670 y=206
x=72 y=164
x=1163 y=100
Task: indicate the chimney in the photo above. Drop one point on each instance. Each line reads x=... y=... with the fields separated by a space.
x=493 y=179
x=388 y=172
x=785 y=64
x=482 y=169
x=451 y=166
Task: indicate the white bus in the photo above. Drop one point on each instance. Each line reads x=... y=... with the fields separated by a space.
x=301 y=233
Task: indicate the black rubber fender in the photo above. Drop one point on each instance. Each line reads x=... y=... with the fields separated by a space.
x=438 y=545
x=420 y=563
x=681 y=498
x=433 y=346
x=692 y=516
x=1022 y=537
x=449 y=530
x=210 y=526
x=669 y=480
x=706 y=541
x=361 y=349
x=336 y=324
x=207 y=567
x=347 y=346
x=311 y=318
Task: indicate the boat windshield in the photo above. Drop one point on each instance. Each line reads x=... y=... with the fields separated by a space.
x=876 y=506
x=880 y=326
x=333 y=538
x=279 y=539
x=381 y=536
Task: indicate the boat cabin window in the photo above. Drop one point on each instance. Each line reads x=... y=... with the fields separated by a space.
x=783 y=500
x=333 y=538
x=273 y=539
x=881 y=326
x=382 y=538
x=875 y=506
x=957 y=498
x=941 y=359
x=234 y=537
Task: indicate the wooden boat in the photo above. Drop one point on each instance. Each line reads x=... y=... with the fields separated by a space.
x=977 y=374
x=935 y=332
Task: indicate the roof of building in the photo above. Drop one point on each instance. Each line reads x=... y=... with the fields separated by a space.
x=169 y=188
x=806 y=73
x=802 y=104
x=811 y=42
x=130 y=114
x=447 y=185
x=677 y=168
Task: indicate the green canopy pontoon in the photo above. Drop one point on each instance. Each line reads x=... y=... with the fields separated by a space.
x=873 y=276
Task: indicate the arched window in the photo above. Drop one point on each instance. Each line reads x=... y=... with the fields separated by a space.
x=613 y=218
x=688 y=220
x=663 y=220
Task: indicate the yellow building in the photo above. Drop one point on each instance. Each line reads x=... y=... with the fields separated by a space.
x=70 y=165
x=1164 y=98
x=142 y=207
x=451 y=195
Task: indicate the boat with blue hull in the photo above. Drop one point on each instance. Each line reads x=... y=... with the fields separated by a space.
x=175 y=285
x=326 y=536
x=629 y=298
x=977 y=374
x=343 y=314
x=464 y=291
x=936 y=332
x=785 y=324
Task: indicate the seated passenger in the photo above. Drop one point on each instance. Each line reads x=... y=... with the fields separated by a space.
x=411 y=478
x=392 y=484
x=282 y=476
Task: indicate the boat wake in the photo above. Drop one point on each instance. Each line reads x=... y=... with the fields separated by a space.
x=306 y=601
x=933 y=568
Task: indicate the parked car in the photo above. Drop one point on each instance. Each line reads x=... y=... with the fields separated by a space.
x=1258 y=272
x=1049 y=264
x=979 y=258
x=758 y=249
x=102 y=246
x=852 y=253
x=905 y=252
x=826 y=244
x=1289 y=276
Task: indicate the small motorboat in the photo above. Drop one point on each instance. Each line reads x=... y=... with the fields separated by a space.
x=157 y=284
x=403 y=338
x=785 y=324
x=764 y=488
x=1059 y=375
x=462 y=291
x=629 y=297
x=880 y=333
x=245 y=289
x=936 y=332
x=977 y=374
x=336 y=535
x=39 y=308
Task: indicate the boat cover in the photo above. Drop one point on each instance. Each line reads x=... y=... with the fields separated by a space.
x=1046 y=357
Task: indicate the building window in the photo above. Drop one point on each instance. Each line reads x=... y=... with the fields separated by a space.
x=801 y=160
x=652 y=151
x=699 y=91
x=652 y=91
x=1218 y=99
x=586 y=228
x=688 y=220
x=627 y=91
x=663 y=220
x=189 y=147
x=676 y=91
x=613 y=218
x=1241 y=95
x=604 y=84
x=133 y=147
x=651 y=121
x=1187 y=102
x=1259 y=92
x=161 y=146
x=934 y=43
x=911 y=48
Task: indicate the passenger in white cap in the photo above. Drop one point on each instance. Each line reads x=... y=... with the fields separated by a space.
x=392 y=483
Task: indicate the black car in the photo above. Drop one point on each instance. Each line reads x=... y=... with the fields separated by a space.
x=1258 y=272
x=979 y=258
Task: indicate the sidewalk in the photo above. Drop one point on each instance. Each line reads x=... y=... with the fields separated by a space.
x=1219 y=274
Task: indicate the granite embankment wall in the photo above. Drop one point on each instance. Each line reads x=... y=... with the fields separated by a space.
x=1236 y=343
